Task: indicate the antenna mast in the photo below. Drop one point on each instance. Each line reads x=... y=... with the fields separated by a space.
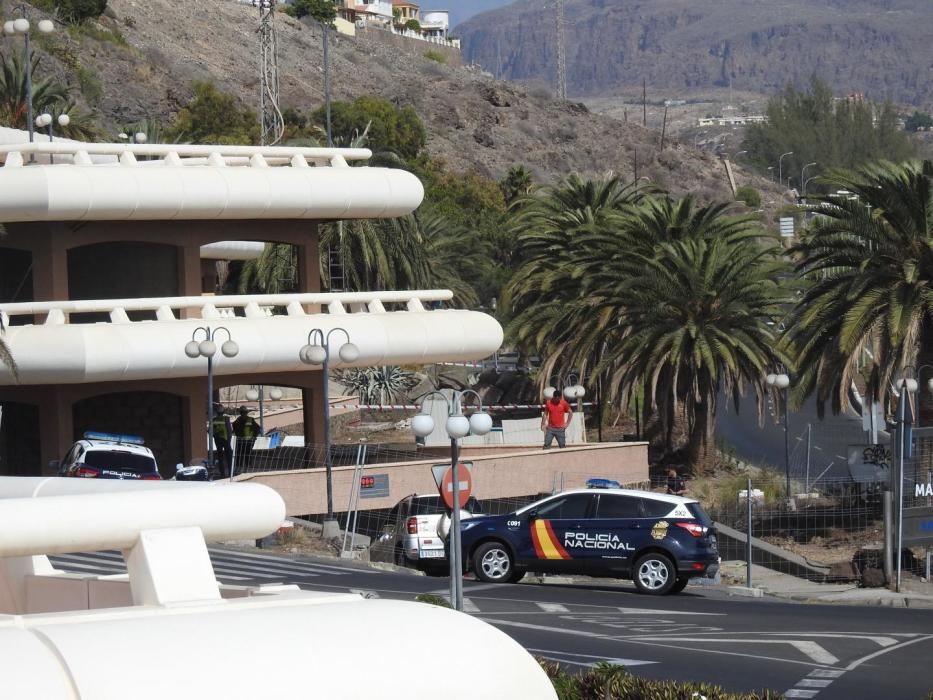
x=273 y=126
x=561 y=53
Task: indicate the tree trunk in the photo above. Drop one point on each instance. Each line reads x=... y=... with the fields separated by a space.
x=700 y=449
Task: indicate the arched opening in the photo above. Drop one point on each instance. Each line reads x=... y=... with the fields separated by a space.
x=155 y=416
x=19 y=439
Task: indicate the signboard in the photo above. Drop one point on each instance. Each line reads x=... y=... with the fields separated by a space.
x=869 y=464
x=374 y=486
x=787 y=226
x=443 y=477
x=918 y=526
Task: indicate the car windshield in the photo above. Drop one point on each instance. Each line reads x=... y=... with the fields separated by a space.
x=697 y=510
x=433 y=505
x=118 y=459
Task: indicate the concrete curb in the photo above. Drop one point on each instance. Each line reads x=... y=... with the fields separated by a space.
x=745 y=592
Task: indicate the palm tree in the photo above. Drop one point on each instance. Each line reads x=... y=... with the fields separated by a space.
x=637 y=270
x=48 y=95
x=693 y=322
x=868 y=259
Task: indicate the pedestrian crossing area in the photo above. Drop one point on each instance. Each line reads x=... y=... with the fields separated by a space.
x=228 y=565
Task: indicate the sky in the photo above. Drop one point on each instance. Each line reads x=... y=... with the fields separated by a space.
x=461 y=10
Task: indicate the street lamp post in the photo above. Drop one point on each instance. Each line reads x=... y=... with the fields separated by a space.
x=21 y=26
x=803 y=178
x=138 y=137
x=457 y=426
x=781 y=166
x=771 y=173
x=45 y=119
x=317 y=353
x=257 y=393
x=782 y=381
x=208 y=348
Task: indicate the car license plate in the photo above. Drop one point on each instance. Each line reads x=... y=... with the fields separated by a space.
x=432 y=553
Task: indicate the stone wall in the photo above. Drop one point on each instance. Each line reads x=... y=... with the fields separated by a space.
x=504 y=474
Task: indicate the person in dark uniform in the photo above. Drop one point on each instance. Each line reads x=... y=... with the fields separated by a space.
x=246 y=430
x=221 y=430
x=675 y=483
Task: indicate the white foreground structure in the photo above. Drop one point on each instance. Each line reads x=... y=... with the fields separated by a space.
x=168 y=629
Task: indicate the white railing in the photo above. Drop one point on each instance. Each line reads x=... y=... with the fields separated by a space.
x=80 y=153
x=223 y=307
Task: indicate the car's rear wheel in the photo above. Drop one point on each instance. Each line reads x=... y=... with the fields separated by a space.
x=654 y=574
x=679 y=585
x=493 y=563
x=516 y=576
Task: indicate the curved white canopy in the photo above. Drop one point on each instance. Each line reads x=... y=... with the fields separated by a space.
x=197 y=182
x=58 y=352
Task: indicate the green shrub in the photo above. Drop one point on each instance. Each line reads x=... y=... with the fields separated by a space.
x=432 y=600
x=80 y=11
x=90 y=85
x=611 y=682
x=749 y=195
x=436 y=56
x=413 y=25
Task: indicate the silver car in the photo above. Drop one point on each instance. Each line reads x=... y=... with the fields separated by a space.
x=414 y=534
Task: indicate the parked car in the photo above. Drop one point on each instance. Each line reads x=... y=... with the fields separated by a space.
x=109 y=456
x=415 y=531
x=658 y=541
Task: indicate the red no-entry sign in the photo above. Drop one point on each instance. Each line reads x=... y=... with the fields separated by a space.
x=465 y=485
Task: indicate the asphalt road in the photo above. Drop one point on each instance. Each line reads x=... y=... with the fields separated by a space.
x=801 y=650
x=830 y=437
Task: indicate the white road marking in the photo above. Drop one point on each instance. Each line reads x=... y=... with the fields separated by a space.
x=364 y=593
x=477 y=587
x=553 y=607
x=644 y=611
x=880 y=652
x=566 y=657
x=285 y=563
x=825 y=673
x=813 y=682
x=469 y=606
x=645 y=641
x=880 y=641
x=811 y=649
x=798 y=693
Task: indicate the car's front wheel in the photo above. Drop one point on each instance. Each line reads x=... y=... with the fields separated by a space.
x=655 y=574
x=493 y=563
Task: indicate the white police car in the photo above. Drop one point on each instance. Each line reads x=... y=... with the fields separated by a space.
x=658 y=541
x=109 y=456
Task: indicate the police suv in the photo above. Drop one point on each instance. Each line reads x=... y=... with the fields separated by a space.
x=109 y=456
x=658 y=541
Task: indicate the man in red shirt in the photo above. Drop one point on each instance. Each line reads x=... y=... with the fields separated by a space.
x=554 y=420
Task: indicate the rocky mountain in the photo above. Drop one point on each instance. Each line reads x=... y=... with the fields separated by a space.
x=881 y=48
x=145 y=54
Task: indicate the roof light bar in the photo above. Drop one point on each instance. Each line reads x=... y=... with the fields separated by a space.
x=114 y=437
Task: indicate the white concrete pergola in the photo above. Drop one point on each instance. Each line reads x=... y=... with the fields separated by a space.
x=62 y=195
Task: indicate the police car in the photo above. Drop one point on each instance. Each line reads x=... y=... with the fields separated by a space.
x=109 y=456
x=658 y=541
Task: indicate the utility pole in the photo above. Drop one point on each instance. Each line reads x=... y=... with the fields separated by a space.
x=272 y=124
x=664 y=127
x=644 y=102
x=561 y=53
